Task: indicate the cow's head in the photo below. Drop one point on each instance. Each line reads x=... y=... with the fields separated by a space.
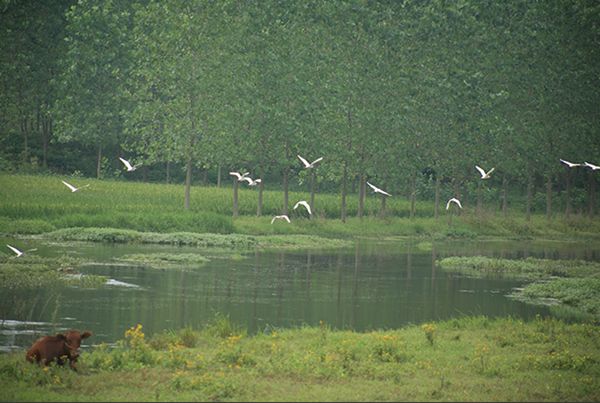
x=72 y=340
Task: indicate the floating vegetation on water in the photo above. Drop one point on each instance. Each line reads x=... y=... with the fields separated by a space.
x=166 y=260
x=580 y=293
x=229 y=241
x=574 y=283
x=37 y=272
x=115 y=235
x=524 y=269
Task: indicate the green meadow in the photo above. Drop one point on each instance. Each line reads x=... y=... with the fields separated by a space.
x=41 y=204
x=467 y=359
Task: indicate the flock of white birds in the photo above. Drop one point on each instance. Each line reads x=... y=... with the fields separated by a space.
x=308 y=165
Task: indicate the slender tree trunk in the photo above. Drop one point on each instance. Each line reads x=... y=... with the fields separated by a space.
x=568 y=208
x=285 y=191
x=235 y=196
x=45 y=134
x=361 y=196
x=479 y=198
x=25 y=133
x=504 y=196
x=344 y=190
x=145 y=173
x=413 y=195
x=313 y=177
x=549 y=197
x=219 y=168
x=436 y=211
x=591 y=194
x=261 y=188
x=383 y=201
x=188 y=181
x=168 y=172
x=205 y=177
x=99 y=162
x=529 y=197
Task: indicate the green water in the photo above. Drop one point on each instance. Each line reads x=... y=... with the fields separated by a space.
x=373 y=285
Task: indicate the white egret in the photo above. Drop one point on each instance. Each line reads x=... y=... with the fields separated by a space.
x=250 y=181
x=18 y=252
x=73 y=188
x=128 y=165
x=484 y=175
x=453 y=200
x=377 y=190
x=309 y=164
x=570 y=164
x=594 y=167
x=305 y=204
x=280 y=217
x=240 y=177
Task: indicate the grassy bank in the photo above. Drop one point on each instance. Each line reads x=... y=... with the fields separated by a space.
x=41 y=204
x=468 y=359
x=572 y=283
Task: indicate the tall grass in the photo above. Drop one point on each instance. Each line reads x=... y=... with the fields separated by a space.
x=36 y=204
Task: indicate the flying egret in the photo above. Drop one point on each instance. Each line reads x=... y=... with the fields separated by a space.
x=240 y=177
x=73 y=188
x=18 y=252
x=377 y=190
x=305 y=204
x=594 y=167
x=280 y=217
x=250 y=181
x=309 y=164
x=484 y=175
x=453 y=200
x=570 y=164
x=128 y=165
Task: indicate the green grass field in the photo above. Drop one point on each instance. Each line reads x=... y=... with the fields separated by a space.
x=468 y=359
x=39 y=204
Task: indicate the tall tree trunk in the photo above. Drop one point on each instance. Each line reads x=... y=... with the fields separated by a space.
x=205 y=177
x=168 y=172
x=479 y=197
x=361 y=196
x=235 y=196
x=549 y=197
x=313 y=177
x=285 y=191
x=591 y=194
x=25 y=133
x=188 y=181
x=568 y=208
x=45 y=134
x=413 y=195
x=145 y=173
x=344 y=191
x=261 y=188
x=99 y=162
x=219 y=168
x=436 y=211
x=382 y=210
x=504 y=196
x=529 y=197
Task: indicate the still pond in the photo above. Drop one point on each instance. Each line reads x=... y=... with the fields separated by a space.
x=372 y=285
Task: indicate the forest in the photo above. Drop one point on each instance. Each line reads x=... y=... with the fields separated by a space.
x=407 y=95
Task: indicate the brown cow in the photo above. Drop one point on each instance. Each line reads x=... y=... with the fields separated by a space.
x=60 y=347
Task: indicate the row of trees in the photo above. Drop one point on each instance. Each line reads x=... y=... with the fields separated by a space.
x=395 y=92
